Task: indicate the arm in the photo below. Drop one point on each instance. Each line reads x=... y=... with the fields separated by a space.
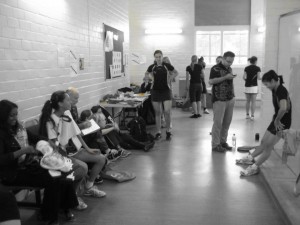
x=245 y=75
x=87 y=148
x=202 y=74
x=187 y=80
x=84 y=125
x=173 y=74
x=281 y=112
x=258 y=76
x=107 y=130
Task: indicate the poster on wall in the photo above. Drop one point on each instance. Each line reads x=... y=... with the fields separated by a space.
x=114 y=52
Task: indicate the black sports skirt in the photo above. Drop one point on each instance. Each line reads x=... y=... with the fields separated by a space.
x=161 y=95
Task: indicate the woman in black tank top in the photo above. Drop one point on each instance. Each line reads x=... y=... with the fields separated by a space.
x=161 y=73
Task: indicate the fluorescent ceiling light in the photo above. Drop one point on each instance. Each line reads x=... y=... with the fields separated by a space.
x=163 y=31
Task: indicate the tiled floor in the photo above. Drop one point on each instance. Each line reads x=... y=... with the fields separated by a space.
x=183 y=182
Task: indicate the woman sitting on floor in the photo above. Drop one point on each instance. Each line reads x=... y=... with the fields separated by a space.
x=17 y=170
x=111 y=131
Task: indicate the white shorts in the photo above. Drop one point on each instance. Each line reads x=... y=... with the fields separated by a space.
x=251 y=90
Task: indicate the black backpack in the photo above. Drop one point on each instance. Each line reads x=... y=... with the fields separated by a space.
x=137 y=128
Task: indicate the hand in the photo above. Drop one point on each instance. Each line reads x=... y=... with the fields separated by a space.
x=278 y=125
x=87 y=124
x=229 y=76
x=116 y=127
x=93 y=151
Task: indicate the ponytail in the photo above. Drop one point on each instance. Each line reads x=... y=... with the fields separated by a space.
x=272 y=75
x=45 y=117
x=48 y=107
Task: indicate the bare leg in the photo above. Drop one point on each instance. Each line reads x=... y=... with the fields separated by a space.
x=167 y=107
x=158 y=111
x=203 y=96
x=248 y=99
x=194 y=106
x=264 y=150
x=199 y=107
x=253 y=103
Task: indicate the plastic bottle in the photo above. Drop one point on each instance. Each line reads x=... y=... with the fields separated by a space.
x=22 y=136
x=234 y=140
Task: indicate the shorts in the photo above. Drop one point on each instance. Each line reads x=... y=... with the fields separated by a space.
x=272 y=129
x=204 y=90
x=161 y=95
x=251 y=90
x=195 y=92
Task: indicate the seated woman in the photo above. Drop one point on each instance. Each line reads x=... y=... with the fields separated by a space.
x=111 y=131
x=57 y=124
x=146 y=85
x=14 y=171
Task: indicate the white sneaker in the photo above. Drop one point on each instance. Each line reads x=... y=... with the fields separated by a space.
x=94 y=192
x=250 y=171
x=206 y=111
x=252 y=118
x=247 y=160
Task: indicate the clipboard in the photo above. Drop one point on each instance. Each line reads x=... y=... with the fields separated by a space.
x=91 y=129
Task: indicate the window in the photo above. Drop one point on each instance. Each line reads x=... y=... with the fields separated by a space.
x=211 y=44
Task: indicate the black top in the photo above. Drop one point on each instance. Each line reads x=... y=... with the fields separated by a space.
x=251 y=71
x=8 y=145
x=223 y=91
x=160 y=75
x=280 y=94
x=195 y=74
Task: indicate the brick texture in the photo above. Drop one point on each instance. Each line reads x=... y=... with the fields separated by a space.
x=32 y=35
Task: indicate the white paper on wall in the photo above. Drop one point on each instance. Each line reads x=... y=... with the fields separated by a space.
x=109 y=41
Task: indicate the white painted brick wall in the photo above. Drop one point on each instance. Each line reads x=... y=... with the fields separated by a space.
x=32 y=31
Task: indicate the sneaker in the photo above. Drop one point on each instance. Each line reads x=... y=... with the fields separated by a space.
x=124 y=153
x=149 y=146
x=113 y=156
x=250 y=171
x=81 y=204
x=252 y=118
x=199 y=115
x=247 y=160
x=70 y=217
x=226 y=146
x=98 y=180
x=168 y=137
x=218 y=148
x=158 y=136
x=247 y=116
x=94 y=192
x=206 y=111
x=194 y=116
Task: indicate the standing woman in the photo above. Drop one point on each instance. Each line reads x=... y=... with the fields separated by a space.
x=194 y=76
x=162 y=74
x=282 y=120
x=251 y=75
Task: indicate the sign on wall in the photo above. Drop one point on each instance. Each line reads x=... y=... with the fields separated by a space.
x=114 y=53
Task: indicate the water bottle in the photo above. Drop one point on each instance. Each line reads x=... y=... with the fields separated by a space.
x=22 y=137
x=234 y=140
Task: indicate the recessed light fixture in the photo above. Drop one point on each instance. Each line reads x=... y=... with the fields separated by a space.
x=163 y=31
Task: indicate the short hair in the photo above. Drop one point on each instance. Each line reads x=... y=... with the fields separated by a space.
x=157 y=52
x=228 y=54
x=85 y=114
x=72 y=90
